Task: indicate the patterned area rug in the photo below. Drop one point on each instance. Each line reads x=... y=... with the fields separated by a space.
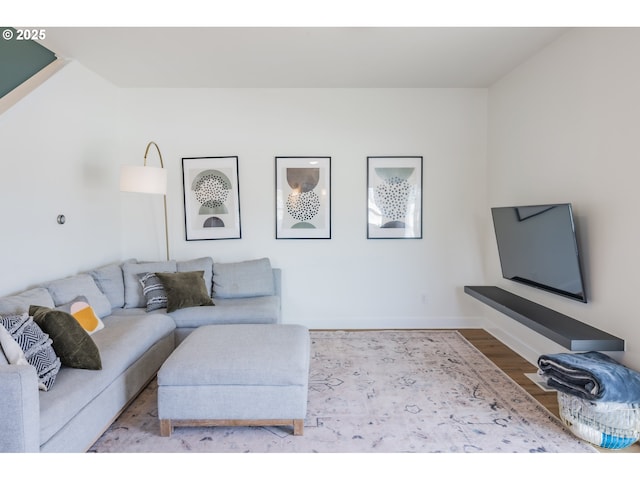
x=377 y=391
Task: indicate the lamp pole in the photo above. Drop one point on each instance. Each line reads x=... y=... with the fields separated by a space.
x=164 y=197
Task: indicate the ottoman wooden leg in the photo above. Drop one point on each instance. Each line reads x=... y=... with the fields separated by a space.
x=165 y=428
x=298 y=427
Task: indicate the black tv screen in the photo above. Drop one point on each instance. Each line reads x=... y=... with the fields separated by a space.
x=537 y=246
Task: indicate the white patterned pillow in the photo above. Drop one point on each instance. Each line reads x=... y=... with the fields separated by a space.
x=153 y=291
x=36 y=346
x=12 y=354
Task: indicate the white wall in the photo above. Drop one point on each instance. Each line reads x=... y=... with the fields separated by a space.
x=564 y=127
x=348 y=281
x=57 y=157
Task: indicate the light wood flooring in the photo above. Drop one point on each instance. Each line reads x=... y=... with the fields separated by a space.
x=516 y=366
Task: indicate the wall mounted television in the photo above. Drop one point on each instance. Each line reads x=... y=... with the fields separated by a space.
x=537 y=246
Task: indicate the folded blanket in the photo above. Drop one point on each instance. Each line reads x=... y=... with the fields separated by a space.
x=591 y=375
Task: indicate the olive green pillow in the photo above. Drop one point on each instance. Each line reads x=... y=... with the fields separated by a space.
x=73 y=345
x=185 y=289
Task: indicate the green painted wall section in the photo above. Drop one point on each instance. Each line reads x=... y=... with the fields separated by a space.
x=20 y=58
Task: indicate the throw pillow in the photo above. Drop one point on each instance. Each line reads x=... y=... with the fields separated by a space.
x=71 y=342
x=153 y=291
x=3 y=356
x=36 y=346
x=84 y=314
x=133 y=297
x=11 y=351
x=202 y=263
x=185 y=289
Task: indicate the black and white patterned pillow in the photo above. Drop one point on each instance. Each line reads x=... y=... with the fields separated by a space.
x=153 y=291
x=36 y=345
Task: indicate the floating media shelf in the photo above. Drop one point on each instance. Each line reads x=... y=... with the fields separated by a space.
x=566 y=331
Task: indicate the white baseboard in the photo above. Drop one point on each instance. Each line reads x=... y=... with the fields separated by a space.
x=384 y=323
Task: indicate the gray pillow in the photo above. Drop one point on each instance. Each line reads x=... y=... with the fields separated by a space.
x=204 y=263
x=20 y=302
x=185 y=289
x=66 y=289
x=133 y=296
x=71 y=342
x=110 y=281
x=36 y=346
x=251 y=278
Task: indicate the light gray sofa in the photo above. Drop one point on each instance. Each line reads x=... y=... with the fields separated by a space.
x=133 y=344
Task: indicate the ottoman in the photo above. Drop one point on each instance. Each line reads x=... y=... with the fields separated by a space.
x=236 y=375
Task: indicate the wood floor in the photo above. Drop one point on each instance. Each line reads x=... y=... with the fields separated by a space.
x=515 y=366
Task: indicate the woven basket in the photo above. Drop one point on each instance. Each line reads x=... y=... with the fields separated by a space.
x=605 y=424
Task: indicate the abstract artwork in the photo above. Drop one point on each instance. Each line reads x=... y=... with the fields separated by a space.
x=394 y=197
x=211 y=198
x=303 y=197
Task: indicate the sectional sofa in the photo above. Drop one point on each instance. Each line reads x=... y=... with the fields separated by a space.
x=134 y=337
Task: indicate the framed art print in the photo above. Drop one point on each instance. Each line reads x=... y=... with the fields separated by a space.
x=211 y=198
x=394 y=197
x=303 y=197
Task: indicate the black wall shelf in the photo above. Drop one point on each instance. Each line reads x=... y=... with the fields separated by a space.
x=566 y=331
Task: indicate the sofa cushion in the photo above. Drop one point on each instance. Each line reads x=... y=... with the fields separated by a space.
x=36 y=346
x=204 y=263
x=20 y=303
x=185 y=289
x=71 y=342
x=124 y=340
x=230 y=310
x=251 y=278
x=133 y=296
x=65 y=290
x=84 y=314
x=110 y=281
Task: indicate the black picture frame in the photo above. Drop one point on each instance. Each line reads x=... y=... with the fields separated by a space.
x=303 y=197
x=211 y=198
x=394 y=197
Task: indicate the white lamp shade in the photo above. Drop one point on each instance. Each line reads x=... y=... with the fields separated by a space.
x=143 y=179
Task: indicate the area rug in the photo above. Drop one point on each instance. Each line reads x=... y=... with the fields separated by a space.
x=377 y=391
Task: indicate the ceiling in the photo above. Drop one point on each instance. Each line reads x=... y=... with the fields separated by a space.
x=299 y=57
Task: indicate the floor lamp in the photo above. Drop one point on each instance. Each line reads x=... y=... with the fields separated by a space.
x=147 y=179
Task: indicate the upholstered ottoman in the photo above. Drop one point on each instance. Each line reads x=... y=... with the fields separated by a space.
x=235 y=375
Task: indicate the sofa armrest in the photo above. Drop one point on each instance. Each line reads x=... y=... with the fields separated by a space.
x=20 y=412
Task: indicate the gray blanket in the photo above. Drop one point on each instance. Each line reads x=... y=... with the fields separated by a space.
x=591 y=375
